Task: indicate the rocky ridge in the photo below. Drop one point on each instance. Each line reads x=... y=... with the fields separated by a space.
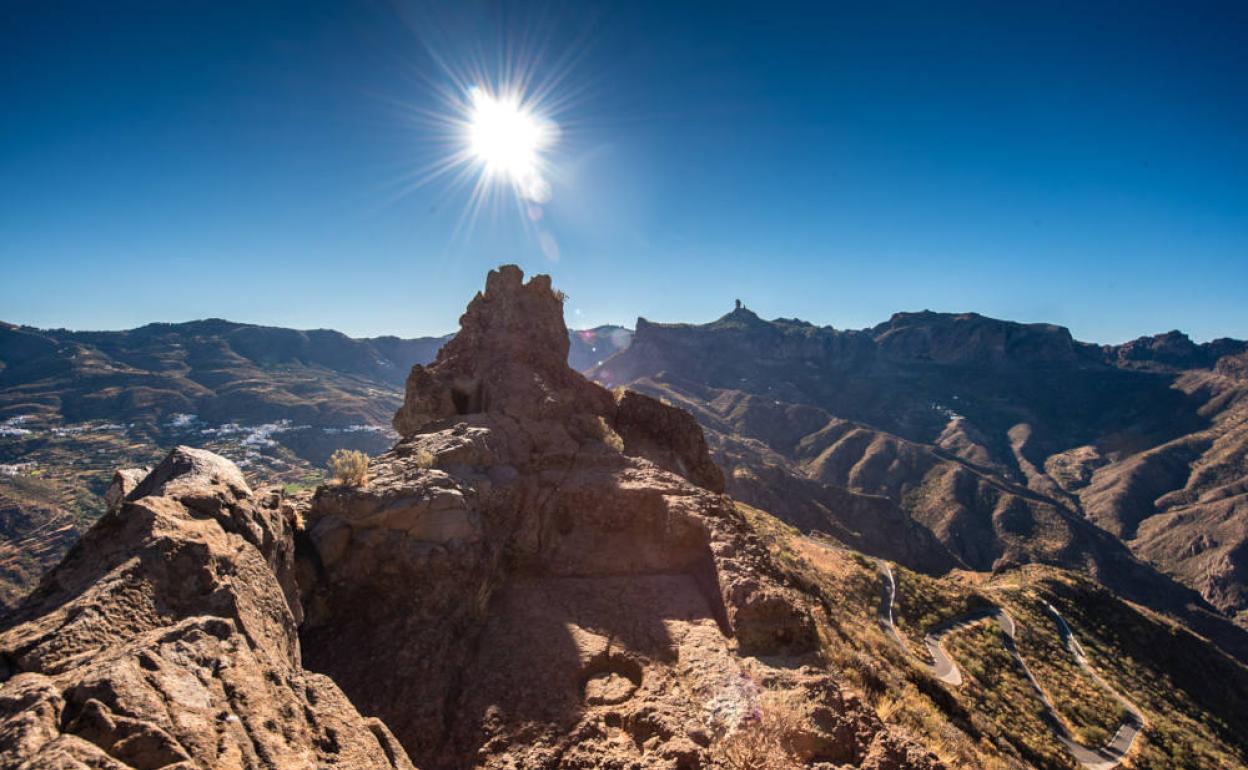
x=541 y=573
x=74 y=406
x=578 y=566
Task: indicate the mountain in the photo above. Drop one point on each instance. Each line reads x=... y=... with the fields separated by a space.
x=590 y=347
x=586 y=597
x=544 y=573
x=223 y=371
x=1004 y=443
x=76 y=405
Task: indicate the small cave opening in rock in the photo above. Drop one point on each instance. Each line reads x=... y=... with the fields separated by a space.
x=461 y=399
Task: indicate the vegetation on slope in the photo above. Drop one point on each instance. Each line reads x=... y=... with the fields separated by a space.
x=998 y=692
x=1194 y=697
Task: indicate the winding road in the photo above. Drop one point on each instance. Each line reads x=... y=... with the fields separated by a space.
x=943 y=668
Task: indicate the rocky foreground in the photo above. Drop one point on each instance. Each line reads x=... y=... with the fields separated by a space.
x=542 y=573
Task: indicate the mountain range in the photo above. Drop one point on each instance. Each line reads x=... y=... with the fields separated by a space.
x=947 y=541
x=943 y=440
x=1006 y=443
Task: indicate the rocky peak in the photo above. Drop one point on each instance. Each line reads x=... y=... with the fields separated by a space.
x=513 y=319
x=190 y=471
x=1172 y=351
x=509 y=359
x=741 y=316
x=536 y=543
x=510 y=356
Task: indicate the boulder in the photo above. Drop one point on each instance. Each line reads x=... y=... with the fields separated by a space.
x=166 y=638
x=124 y=482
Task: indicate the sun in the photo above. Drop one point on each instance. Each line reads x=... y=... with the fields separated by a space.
x=507 y=141
x=496 y=136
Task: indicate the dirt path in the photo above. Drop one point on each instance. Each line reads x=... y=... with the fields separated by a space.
x=946 y=670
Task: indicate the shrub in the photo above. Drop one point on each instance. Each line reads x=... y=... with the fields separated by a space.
x=423 y=458
x=349 y=467
x=598 y=428
x=764 y=741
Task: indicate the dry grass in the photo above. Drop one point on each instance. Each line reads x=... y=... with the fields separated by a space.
x=349 y=467
x=609 y=436
x=423 y=458
x=1197 y=712
x=1000 y=695
x=856 y=648
x=599 y=428
x=765 y=739
x=991 y=721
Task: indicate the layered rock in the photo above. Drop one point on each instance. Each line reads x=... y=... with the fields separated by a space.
x=544 y=573
x=167 y=638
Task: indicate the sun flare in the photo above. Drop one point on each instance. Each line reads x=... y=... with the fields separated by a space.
x=507 y=141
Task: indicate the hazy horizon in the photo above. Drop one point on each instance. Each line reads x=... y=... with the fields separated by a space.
x=1058 y=164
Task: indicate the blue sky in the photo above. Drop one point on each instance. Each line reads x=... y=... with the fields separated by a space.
x=1081 y=165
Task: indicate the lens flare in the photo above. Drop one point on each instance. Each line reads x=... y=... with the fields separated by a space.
x=507 y=140
x=490 y=129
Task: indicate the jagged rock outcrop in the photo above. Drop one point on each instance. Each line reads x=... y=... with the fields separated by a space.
x=1234 y=366
x=124 y=482
x=541 y=574
x=509 y=358
x=167 y=638
x=544 y=574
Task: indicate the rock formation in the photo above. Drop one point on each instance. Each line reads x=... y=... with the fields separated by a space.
x=167 y=638
x=541 y=574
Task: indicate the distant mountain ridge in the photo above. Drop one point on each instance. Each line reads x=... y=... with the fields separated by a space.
x=1001 y=443
x=214 y=367
x=935 y=439
x=223 y=369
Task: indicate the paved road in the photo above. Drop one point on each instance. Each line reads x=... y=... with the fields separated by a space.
x=1112 y=752
x=1106 y=757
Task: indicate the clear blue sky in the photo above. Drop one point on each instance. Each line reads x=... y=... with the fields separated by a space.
x=1081 y=163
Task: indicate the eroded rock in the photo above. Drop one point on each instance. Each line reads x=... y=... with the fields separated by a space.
x=540 y=574
x=588 y=596
x=167 y=639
